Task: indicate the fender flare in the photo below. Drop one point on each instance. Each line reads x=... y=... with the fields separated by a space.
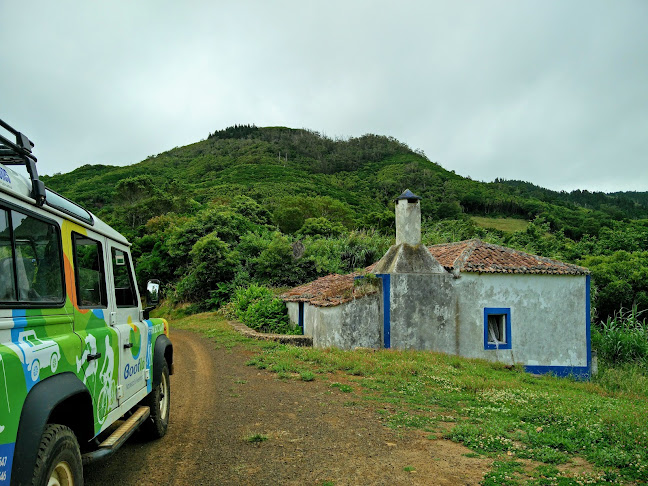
x=41 y=400
x=162 y=354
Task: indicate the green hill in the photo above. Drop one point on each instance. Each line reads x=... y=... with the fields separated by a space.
x=273 y=164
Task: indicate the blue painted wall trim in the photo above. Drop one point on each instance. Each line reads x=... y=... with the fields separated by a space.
x=498 y=311
x=300 y=319
x=386 y=287
x=578 y=372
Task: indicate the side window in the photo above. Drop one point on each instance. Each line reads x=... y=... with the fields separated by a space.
x=497 y=328
x=89 y=272
x=125 y=295
x=31 y=269
x=7 y=275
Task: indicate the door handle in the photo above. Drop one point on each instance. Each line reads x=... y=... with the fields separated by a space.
x=93 y=356
x=128 y=345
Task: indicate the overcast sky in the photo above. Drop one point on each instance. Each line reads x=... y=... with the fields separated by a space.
x=551 y=92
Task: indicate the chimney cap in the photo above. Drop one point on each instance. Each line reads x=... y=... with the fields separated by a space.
x=409 y=195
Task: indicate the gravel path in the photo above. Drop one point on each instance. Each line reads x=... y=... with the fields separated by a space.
x=315 y=435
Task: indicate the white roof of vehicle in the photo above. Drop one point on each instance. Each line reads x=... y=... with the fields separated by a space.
x=20 y=187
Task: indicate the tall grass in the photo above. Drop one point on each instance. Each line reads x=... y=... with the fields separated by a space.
x=621 y=344
x=622 y=340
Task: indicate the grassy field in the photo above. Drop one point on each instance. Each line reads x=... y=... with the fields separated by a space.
x=538 y=430
x=502 y=224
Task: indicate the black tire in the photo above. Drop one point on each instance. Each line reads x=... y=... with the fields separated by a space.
x=59 y=458
x=159 y=401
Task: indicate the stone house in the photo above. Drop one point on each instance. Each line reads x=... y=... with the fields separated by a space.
x=470 y=298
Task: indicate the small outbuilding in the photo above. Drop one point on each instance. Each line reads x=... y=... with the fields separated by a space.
x=470 y=298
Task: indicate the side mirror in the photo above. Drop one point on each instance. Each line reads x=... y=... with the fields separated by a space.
x=153 y=292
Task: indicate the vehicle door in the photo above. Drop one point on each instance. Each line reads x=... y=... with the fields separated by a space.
x=36 y=326
x=126 y=320
x=100 y=358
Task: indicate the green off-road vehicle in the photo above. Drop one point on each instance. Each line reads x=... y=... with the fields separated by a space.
x=81 y=364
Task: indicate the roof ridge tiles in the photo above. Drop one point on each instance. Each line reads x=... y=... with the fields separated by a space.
x=475 y=255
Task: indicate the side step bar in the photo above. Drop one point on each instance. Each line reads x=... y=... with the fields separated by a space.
x=118 y=437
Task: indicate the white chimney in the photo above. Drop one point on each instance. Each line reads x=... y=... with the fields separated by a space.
x=408 y=219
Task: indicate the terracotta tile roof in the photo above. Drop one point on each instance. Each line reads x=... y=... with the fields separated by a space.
x=327 y=291
x=478 y=256
x=463 y=256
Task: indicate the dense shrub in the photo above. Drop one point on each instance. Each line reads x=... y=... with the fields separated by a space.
x=212 y=262
x=257 y=307
x=276 y=265
x=621 y=280
x=321 y=226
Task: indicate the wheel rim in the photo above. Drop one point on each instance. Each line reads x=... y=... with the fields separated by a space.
x=164 y=397
x=35 y=370
x=61 y=475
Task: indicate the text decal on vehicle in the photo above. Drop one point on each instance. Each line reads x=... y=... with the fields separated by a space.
x=4 y=176
x=6 y=456
x=132 y=370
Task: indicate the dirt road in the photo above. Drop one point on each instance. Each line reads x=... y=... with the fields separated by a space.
x=315 y=435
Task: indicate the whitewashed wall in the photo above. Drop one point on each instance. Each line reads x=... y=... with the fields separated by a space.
x=357 y=323
x=548 y=317
x=293 y=313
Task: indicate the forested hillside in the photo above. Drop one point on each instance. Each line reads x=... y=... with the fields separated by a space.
x=280 y=206
x=617 y=204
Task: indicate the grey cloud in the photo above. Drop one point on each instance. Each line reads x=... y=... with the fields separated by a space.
x=549 y=92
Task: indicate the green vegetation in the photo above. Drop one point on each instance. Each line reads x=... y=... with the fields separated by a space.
x=257 y=307
x=307 y=375
x=623 y=339
x=622 y=204
x=251 y=208
x=279 y=207
x=342 y=387
x=226 y=221
x=499 y=413
x=256 y=438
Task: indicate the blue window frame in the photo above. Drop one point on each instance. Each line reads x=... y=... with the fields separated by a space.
x=497 y=328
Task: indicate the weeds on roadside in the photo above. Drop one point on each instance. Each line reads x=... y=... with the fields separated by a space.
x=342 y=387
x=307 y=375
x=256 y=438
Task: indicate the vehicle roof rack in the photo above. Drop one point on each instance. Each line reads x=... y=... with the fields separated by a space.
x=20 y=153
